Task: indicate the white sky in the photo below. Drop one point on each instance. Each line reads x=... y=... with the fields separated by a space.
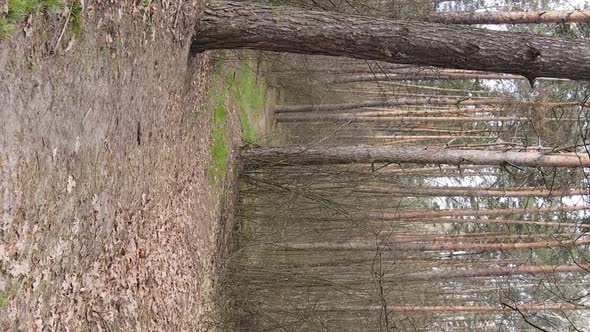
x=578 y=4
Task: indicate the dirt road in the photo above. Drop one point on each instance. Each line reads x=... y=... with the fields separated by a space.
x=108 y=219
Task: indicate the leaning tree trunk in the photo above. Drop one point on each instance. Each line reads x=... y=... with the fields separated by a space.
x=551 y=16
x=377 y=154
x=231 y=25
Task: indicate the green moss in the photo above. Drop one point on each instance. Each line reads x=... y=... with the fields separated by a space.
x=18 y=10
x=76 y=18
x=250 y=91
x=220 y=142
x=251 y=88
x=3 y=300
x=219 y=154
x=6 y=28
x=248 y=131
x=48 y=4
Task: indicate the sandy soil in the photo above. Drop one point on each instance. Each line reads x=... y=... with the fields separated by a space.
x=108 y=219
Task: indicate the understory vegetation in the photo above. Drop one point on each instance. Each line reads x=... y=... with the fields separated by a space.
x=18 y=10
x=237 y=87
x=350 y=243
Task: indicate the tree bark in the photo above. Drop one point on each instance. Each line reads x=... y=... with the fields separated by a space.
x=417 y=75
x=423 y=130
x=406 y=86
x=497 y=221
x=362 y=118
x=414 y=101
x=391 y=138
x=450 y=308
x=447 y=246
x=446 y=171
x=433 y=191
x=231 y=25
x=487 y=17
x=376 y=154
x=502 y=272
x=411 y=214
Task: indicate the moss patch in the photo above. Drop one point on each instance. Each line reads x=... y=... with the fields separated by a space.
x=76 y=18
x=220 y=142
x=3 y=300
x=241 y=89
x=18 y=10
x=250 y=89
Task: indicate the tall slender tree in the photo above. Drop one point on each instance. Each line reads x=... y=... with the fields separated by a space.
x=423 y=155
x=496 y=17
x=498 y=271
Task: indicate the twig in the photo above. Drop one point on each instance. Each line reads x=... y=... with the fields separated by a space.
x=63 y=30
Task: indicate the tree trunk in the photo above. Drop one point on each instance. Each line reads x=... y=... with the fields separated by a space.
x=423 y=130
x=502 y=272
x=423 y=172
x=392 y=236
x=487 y=17
x=386 y=92
x=417 y=75
x=497 y=221
x=394 y=138
x=433 y=191
x=411 y=214
x=231 y=25
x=411 y=94
x=449 y=308
x=376 y=154
x=446 y=246
x=406 y=101
x=432 y=88
x=362 y=118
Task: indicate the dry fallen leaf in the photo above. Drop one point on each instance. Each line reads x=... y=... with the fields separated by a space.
x=28 y=27
x=21 y=268
x=71 y=184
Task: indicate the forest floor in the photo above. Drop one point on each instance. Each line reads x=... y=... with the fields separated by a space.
x=116 y=166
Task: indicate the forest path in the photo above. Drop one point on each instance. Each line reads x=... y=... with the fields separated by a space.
x=109 y=220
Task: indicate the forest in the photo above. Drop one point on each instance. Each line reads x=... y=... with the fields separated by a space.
x=427 y=174
x=295 y=165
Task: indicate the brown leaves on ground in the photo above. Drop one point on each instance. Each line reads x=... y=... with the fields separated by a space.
x=108 y=220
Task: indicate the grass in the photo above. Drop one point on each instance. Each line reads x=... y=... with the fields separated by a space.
x=220 y=141
x=244 y=91
x=251 y=92
x=3 y=300
x=18 y=10
x=76 y=18
x=247 y=91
